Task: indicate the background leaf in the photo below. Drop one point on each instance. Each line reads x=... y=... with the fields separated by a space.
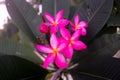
x=16 y=68
x=98 y=68
x=54 y=6
x=97 y=62
x=24 y=39
x=105 y=45
x=25 y=18
x=12 y=47
x=96 y=13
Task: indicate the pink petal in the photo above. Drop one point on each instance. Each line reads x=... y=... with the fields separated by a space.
x=83 y=32
x=43 y=28
x=76 y=35
x=65 y=33
x=59 y=15
x=48 y=23
x=76 y=19
x=83 y=24
x=61 y=40
x=68 y=52
x=53 y=41
x=50 y=58
x=54 y=29
x=79 y=45
x=44 y=49
x=72 y=24
x=60 y=61
x=49 y=17
x=63 y=22
x=62 y=46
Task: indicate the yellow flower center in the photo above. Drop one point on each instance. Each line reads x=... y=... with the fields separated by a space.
x=77 y=26
x=71 y=41
x=55 y=51
x=55 y=23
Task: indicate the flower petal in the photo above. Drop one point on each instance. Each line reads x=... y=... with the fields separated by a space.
x=83 y=32
x=65 y=33
x=76 y=35
x=63 y=22
x=72 y=24
x=83 y=24
x=44 y=49
x=48 y=24
x=62 y=46
x=79 y=45
x=68 y=52
x=59 y=15
x=61 y=40
x=54 y=29
x=50 y=58
x=60 y=61
x=43 y=28
x=49 y=17
x=76 y=19
x=53 y=41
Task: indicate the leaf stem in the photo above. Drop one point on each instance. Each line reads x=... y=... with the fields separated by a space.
x=56 y=74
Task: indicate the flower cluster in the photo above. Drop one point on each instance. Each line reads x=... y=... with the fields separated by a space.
x=61 y=47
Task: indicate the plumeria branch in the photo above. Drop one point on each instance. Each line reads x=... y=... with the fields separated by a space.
x=56 y=74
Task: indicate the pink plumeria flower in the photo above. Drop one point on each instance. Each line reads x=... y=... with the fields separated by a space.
x=56 y=22
x=73 y=42
x=79 y=25
x=54 y=53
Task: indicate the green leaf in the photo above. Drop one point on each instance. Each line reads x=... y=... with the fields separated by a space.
x=12 y=47
x=25 y=18
x=54 y=6
x=24 y=39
